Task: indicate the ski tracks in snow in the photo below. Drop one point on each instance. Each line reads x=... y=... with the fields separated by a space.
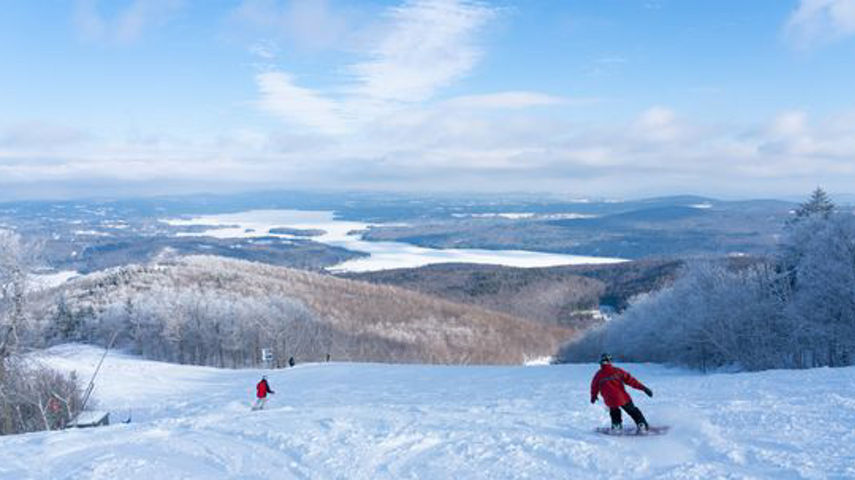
x=364 y=421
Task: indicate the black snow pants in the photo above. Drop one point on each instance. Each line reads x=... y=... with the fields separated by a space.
x=633 y=412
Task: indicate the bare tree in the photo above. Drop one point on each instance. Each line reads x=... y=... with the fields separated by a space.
x=32 y=397
x=15 y=260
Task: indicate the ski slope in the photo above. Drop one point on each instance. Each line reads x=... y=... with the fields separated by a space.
x=370 y=421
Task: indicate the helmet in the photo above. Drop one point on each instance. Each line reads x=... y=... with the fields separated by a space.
x=605 y=358
x=264 y=377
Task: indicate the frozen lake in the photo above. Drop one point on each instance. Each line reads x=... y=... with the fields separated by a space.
x=348 y=234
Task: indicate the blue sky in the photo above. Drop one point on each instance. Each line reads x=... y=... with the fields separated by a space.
x=611 y=98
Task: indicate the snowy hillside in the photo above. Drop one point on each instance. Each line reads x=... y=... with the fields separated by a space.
x=386 y=421
x=224 y=307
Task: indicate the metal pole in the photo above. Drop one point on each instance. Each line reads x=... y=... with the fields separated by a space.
x=91 y=385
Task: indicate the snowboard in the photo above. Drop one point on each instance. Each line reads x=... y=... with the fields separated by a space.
x=633 y=432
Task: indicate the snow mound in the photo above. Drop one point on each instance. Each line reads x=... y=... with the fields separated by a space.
x=371 y=421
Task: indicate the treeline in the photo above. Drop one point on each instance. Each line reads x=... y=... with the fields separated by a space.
x=795 y=310
x=624 y=281
x=222 y=312
x=541 y=294
x=202 y=325
x=194 y=326
x=566 y=295
x=32 y=397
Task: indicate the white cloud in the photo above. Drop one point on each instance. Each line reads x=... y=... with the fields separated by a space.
x=821 y=21
x=789 y=124
x=420 y=47
x=128 y=24
x=267 y=50
x=791 y=135
x=659 y=124
x=612 y=60
x=298 y=105
x=43 y=135
x=427 y=45
x=511 y=100
x=380 y=119
x=434 y=150
x=87 y=20
x=308 y=24
x=141 y=14
x=315 y=24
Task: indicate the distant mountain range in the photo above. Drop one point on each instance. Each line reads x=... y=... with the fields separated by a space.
x=88 y=235
x=678 y=226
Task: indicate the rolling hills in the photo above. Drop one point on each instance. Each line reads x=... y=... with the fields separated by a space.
x=191 y=296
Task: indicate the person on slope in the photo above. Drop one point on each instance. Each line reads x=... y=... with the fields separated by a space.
x=262 y=388
x=609 y=381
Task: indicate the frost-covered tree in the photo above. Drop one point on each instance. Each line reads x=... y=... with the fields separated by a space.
x=794 y=310
x=821 y=269
x=201 y=325
x=14 y=266
x=818 y=205
x=65 y=324
x=31 y=397
x=705 y=320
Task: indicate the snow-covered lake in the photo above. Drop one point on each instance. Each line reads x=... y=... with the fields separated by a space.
x=383 y=255
x=371 y=421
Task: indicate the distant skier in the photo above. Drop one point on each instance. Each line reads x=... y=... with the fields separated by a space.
x=609 y=381
x=262 y=389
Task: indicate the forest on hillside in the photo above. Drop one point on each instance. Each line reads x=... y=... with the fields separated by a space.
x=570 y=295
x=796 y=309
x=221 y=312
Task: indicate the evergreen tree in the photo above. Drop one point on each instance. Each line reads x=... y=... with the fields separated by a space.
x=67 y=323
x=819 y=205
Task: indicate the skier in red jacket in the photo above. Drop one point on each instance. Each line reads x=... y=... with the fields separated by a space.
x=262 y=389
x=609 y=381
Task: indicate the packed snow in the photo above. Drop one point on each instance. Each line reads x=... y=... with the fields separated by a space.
x=372 y=421
x=383 y=255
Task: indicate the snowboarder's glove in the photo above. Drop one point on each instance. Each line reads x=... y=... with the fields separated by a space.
x=593 y=399
x=648 y=391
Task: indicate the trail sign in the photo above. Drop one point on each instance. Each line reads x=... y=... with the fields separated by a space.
x=267 y=355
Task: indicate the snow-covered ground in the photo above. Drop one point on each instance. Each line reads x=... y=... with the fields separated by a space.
x=369 y=421
x=43 y=281
x=383 y=255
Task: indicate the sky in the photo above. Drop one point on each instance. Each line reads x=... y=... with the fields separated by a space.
x=607 y=98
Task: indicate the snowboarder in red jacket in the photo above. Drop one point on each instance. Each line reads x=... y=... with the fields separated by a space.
x=609 y=381
x=262 y=388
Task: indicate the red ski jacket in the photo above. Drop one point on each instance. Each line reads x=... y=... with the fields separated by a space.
x=609 y=381
x=262 y=389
